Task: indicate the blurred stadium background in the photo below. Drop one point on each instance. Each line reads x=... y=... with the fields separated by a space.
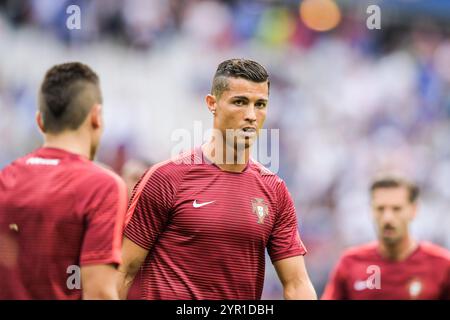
x=349 y=102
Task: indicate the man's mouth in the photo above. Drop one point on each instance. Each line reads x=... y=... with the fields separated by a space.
x=248 y=133
x=249 y=130
x=388 y=231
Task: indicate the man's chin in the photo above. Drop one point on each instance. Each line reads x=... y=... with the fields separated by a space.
x=390 y=240
x=242 y=144
x=247 y=143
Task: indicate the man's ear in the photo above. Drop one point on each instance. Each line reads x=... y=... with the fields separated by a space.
x=96 y=116
x=211 y=102
x=39 y=121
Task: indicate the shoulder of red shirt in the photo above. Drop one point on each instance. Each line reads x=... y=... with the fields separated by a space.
x=186 y=160
x=435 y=251
x=361 y=251
x=370 y=249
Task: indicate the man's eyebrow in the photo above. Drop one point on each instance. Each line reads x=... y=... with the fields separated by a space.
x=247 y=99
x=240 y=97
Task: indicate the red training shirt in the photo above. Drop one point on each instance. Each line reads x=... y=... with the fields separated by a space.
x=57 y=210
x=424 y=274
x=207 y=229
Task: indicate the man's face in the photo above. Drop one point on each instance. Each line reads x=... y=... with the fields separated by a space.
x=242 y=108
x=392 y=212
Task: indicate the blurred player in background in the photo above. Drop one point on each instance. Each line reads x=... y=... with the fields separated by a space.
x=200 y=225
x=132 y=171
x=59 y=212
x=396 y=266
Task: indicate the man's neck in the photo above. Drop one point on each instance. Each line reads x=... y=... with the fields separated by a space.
x=69 y=141
x=237 y=159
x=398 y=251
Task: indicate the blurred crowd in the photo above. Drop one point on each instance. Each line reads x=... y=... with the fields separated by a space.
x=349 y=103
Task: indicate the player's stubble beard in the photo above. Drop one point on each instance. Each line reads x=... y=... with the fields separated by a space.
x=398 y=246
x=390 y=240
x=242 y=146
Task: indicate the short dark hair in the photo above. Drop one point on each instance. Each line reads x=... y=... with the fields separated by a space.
x=66 y=96
x=237 y=68
x=396 y=182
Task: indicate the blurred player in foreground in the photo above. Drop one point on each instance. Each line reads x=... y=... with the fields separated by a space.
x=200 y=225
x=61 y=216
x=397 y=266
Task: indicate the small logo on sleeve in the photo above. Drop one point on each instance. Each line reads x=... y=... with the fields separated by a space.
x=261 y=209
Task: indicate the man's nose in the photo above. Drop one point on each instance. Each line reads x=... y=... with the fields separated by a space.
x=250 y=114
x=387 y=216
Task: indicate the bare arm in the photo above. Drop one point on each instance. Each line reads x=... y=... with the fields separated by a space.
x=294 y=278
x=132 y=258
x=99 y=282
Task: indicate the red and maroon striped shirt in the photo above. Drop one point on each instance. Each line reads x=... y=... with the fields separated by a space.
x=424 y=274
x=57 y=209
x=207 y=229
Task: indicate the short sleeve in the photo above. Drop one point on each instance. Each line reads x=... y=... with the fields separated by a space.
x=285 y=241
x=106 y=200
x=150 y=207
x=336 y=286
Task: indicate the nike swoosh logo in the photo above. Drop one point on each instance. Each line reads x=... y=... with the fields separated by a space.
x=198 y=205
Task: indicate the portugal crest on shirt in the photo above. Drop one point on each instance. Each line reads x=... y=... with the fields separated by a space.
x=415 y=287
x=261 y=209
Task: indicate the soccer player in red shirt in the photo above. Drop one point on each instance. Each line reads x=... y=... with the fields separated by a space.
x=396 y=266
x=200 y=225
x=62 y=216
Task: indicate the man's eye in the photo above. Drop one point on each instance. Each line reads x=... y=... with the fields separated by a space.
x=260 y=105
x=239 y=102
